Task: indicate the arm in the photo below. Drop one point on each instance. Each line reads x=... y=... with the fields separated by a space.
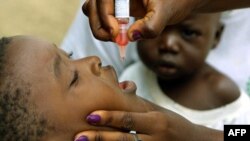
x=151 y=122
x=150 y=126
x=157 y=124
x=154 y=14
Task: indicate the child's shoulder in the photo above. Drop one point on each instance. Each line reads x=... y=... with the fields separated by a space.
x=224 y=88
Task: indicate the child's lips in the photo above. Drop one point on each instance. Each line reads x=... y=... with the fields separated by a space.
x=166 y=67
x=128 y=86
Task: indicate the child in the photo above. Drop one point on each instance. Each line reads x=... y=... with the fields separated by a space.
x=44 y=95
x=174 y=74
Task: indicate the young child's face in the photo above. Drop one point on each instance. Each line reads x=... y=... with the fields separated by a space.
x=181 y=49
x=66 y=91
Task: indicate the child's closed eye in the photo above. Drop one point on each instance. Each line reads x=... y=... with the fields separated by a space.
x=74 y=79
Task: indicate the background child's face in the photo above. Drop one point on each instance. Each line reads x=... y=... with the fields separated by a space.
x=66 y=91
x=181 y=49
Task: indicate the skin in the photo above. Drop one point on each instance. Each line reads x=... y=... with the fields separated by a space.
x=178 y=58
x=151 y=126
x=153 y=15
x=62 y=98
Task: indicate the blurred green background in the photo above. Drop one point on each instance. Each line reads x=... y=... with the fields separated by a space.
x=49 y=19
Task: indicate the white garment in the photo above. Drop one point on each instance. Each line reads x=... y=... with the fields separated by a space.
x=237 y=112
x=232 y=56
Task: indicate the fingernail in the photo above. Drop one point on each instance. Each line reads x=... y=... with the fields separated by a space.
x=136 y=35
x=82 y=138
x=92 y=119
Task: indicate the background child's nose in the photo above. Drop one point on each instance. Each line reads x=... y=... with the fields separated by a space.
x=169 y=43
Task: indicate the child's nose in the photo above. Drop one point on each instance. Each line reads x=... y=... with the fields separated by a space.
x=95 y=64
x=170 y=43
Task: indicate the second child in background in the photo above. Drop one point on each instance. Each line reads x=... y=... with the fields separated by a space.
x=174 y=74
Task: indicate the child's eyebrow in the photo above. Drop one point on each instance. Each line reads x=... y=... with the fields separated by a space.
x=56 y=65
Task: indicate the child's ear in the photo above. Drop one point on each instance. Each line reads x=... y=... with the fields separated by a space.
x=218 y=34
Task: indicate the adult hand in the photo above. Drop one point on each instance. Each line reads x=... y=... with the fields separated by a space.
x=150 y=126
x=153 y=15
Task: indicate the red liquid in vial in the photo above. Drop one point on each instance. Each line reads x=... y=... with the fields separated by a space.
x=122 y=38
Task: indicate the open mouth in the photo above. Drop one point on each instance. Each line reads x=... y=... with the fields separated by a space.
x=128 y=86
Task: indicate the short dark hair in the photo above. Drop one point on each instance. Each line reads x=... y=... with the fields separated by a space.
x=19 y=120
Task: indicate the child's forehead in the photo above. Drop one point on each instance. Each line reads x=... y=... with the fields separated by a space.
x=33 y=55
x=199 y=21
x=194 y=18
x=29 y=40
x=29 y=43
x=26 y=49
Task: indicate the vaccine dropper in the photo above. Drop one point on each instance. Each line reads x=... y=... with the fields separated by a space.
x=122 y=16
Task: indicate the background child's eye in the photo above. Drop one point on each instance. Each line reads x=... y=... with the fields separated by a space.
x=190 y=33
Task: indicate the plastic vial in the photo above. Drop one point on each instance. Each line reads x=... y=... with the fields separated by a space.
x=122 y=16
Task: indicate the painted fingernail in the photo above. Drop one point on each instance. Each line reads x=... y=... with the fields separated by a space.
x=92 y=119
x=136 y=35
x=82 y=138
